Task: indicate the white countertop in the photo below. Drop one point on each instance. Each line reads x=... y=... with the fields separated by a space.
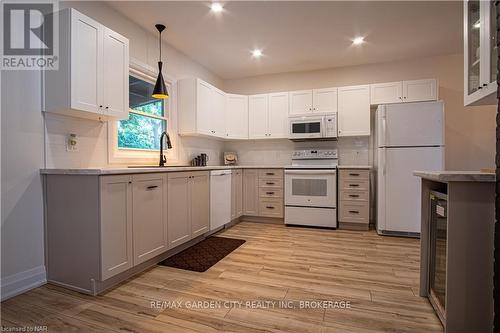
x=127 y=170
x=120 y=170
x=456 y=176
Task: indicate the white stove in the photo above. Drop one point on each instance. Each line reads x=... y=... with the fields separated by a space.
x=311 y=188
x=314 y=159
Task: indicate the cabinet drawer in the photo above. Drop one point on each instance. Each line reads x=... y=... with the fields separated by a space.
x=352 y=211
x=270 y=173
x=354 y=174
x=271 y=183
x=360 y=184
x=353 y=195
x=270 y=192
x=271 y=207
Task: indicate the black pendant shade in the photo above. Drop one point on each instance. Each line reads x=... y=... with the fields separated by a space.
x=160 y=90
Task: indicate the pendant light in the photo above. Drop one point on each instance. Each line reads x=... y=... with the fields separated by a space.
x=160 y=90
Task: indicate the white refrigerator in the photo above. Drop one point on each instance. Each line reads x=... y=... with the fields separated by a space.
x=410 y=137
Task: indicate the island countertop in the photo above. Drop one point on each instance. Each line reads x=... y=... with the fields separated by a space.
x=456 y=176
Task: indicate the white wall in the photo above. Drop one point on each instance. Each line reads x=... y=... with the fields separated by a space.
x=22 y=157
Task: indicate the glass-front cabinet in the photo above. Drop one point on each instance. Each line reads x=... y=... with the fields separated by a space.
x=480 y=52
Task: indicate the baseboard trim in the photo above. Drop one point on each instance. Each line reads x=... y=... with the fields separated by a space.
x=21 y=282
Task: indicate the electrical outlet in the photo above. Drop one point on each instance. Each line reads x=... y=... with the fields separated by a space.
x=72 y=143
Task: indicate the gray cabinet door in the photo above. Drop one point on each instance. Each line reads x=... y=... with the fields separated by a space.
x=148 y=220
x=200 y=203
x=179 y=208
x=116 y=225
x=251 y=192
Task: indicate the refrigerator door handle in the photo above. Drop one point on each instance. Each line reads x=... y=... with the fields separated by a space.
x=383 y=161
x=384 y=129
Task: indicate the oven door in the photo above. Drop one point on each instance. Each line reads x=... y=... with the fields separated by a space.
x=311 y=188
x=306 y=128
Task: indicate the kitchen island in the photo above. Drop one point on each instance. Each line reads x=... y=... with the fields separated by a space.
x=456 y=247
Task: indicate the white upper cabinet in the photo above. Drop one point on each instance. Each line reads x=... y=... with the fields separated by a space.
x=420 y=90
x=386 y=93
x=304 y=102
x=480 y=53
x=258 y=116
x=404 y=91
x=218 y=118
x=204 y=102
x=92 y=80
x=202 y=109
x=268 y=116
x=236 y=116
x=278 y=115
x=115 y=75
x=354 y=111
x=325 y=100
x=301 y=102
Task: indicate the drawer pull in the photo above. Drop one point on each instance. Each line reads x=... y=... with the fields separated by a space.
x=353 y=185
x=269 y=207
x=152 y=187
x=354 y=195
x=269 y=173
x=354 y=174
x=270 y=193
x=269 y=183
x=354 y=212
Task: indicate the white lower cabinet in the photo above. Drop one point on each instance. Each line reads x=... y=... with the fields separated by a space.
x=189 y=206
x=116 y=225
x=149 y=220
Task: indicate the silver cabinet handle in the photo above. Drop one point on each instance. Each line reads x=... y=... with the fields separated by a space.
x=354 y=174
x=152 y=187
x=269 y=183
x=270 y=193
x=354 y=195
x=269 y=207
x=353 y=185
x=354 y=212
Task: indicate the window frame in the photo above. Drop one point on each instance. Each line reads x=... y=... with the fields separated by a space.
x=134 y=156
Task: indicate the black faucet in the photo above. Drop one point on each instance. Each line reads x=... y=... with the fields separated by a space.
x=163 y=159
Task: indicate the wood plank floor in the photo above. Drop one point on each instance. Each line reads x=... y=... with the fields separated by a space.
x=273 y=275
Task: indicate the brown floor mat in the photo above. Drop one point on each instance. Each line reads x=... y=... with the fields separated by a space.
x=203 y=255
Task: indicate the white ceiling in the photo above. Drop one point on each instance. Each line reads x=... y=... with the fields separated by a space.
x=305 y=35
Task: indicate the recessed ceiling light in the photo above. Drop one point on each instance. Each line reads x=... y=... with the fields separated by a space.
x=358 y=40
x=257 y=53
x=216 y=7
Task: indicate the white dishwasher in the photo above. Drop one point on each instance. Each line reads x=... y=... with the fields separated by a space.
x=220 y=198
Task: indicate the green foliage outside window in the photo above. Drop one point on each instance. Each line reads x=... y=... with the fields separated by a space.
x=140 y=131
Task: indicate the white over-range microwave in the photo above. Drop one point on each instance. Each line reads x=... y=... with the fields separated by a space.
x=313 y=127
